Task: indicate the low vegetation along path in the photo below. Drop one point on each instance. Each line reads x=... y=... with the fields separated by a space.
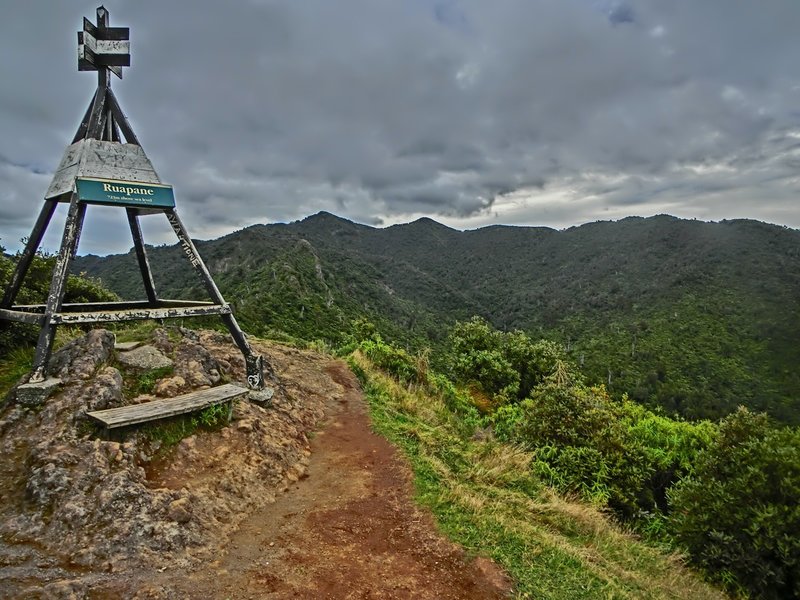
x=349 y=529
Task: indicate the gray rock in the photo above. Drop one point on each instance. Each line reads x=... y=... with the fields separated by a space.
x=65 y=589
x=80 y=358
x=196 y=364
x=144 y=357
x=104 y=391
x=189 y=334
x=162 y=342
x=261 y=397
x=35 y=394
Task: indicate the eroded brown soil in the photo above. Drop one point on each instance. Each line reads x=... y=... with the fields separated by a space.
x=348 y=529
x=297 y=500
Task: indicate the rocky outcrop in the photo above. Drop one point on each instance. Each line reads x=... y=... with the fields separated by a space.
x=92 y=506
x=79 y=359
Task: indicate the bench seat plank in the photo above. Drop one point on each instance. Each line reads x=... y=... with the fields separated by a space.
x=166 y=407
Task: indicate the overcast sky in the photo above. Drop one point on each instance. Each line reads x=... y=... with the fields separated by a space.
x=472 y=112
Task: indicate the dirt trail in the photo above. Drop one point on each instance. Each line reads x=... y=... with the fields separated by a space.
x=347 y=529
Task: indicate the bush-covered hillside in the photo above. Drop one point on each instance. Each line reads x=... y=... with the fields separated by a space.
x=693 y=317
x=726 y=494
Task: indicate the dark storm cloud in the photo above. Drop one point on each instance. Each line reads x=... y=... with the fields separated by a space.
x=544 y=112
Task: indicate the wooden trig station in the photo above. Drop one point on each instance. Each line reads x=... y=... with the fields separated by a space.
x=105 y=164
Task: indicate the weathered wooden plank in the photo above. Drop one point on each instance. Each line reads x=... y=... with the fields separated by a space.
x=21 y=316
x=167 y=407
x=122 y=305
x=105 y=46
x=114 y=33
x=117 y=173
x=139 y=314
x=115 y=135
x=64 y=178
x=121 y=156
x=89 y=27
x=118 y=311
x=105 y=32
x=86 y=59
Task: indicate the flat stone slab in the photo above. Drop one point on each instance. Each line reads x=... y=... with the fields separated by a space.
x=125 y=346
x=144 y=357
x=35 y=394
x=261 y=397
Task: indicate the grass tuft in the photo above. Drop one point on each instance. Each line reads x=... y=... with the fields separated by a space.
x=16 y=364
x=136 y=383
x=168 y=433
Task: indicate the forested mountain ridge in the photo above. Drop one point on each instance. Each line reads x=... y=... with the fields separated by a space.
x=692 y=316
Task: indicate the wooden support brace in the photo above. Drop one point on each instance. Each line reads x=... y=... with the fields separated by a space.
x=122 y=120
x=253 y=362
x=20 y=316
x=141 y=256
x=94 y=128
x=84 y=126
x=69 y=245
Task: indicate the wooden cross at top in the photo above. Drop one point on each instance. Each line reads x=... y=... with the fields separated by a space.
x=102 y=48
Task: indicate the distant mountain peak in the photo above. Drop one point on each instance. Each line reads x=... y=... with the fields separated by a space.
x=426 y=223
x=324 y=216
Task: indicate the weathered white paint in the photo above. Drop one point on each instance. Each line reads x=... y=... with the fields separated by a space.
x=113 y=47
x=104 y=160
x=85 y=53
x=106 y=46
x=139 y=314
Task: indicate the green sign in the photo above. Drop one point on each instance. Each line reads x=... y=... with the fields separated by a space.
x=125 y=193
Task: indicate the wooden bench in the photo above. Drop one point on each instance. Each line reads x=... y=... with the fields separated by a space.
x=123 y=416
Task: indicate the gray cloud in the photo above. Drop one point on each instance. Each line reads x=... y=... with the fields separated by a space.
x=472 y=112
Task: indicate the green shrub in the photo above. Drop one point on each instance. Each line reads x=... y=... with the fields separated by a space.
x=611 y=453
x=507 y=365
x=668 y=446
x=578 y=433
x=738 y=515
x=578 y=470
x=457 y=401
x=395 y=361
x=506 y=421
x=34 y=291
x=571 y=416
